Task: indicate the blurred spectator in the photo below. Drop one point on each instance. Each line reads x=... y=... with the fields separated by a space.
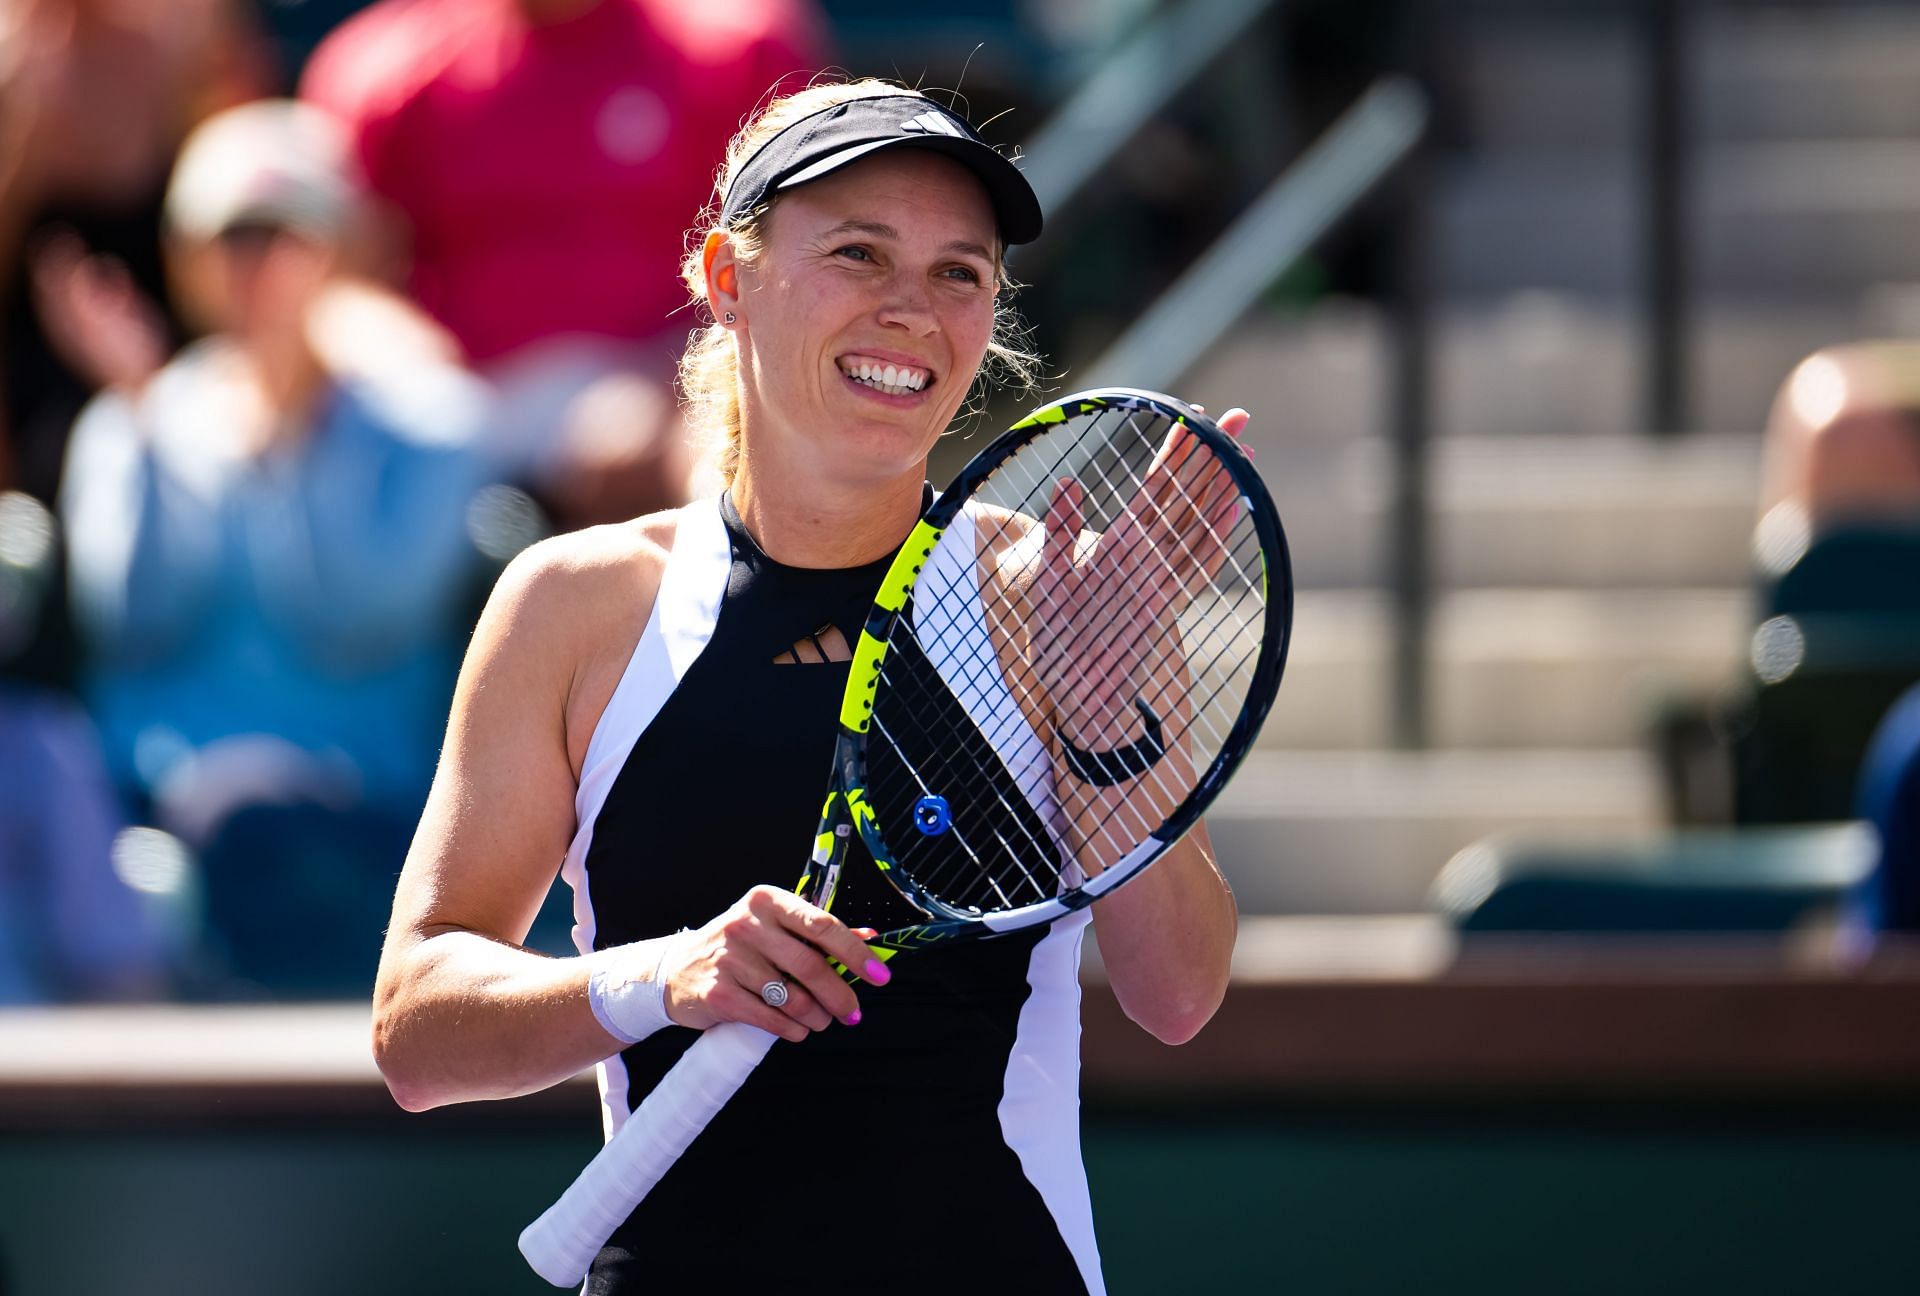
x=547 y=157
x=268 y=540
x=70 y=927
x=1890 y=800
x=95 y=96
x=1838 y=552
x=1843 y=443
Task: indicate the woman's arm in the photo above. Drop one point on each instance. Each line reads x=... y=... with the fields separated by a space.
x=1166 y=938
x=461 y=1011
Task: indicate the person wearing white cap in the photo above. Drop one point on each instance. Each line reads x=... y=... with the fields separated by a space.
x=268 y=548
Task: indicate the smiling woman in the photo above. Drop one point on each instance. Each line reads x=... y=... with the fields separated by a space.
x=637 y=702
x=710 y=369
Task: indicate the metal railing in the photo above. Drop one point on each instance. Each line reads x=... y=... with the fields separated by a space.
x=1129 y=88
x=1381 y=133
x=1297 y=210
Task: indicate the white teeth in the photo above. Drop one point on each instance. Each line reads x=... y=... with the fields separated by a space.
x=895 y=380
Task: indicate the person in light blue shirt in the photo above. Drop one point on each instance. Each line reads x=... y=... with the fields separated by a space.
x=302 y=591
x=268 y=537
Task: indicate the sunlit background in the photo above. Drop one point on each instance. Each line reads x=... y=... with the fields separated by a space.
x=1576 y=862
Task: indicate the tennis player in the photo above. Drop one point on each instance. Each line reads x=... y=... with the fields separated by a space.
x=654 y=703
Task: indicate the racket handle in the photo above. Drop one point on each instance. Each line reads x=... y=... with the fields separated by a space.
x=563 y=1242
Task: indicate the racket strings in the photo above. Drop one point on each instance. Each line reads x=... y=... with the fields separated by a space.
x=1204 y=586
x=1204 y=655
x=998 y=853
x=1018 y=855
x=1102 y=471
x=974 y=673
x=1229 y=645
x=1148 y=432
x=1218 y=641
x=1228 y=551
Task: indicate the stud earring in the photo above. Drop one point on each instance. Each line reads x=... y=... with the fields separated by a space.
x=728 y=318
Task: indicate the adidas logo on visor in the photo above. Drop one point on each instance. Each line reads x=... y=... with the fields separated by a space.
x=933 y=123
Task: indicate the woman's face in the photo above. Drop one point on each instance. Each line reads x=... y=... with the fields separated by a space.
x=865 y=317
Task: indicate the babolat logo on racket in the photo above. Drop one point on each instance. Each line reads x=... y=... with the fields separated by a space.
x=932 y=123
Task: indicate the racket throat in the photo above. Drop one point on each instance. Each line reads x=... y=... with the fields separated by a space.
x=821 y=879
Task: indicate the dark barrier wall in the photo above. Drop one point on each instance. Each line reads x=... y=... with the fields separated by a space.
x=1484 y=1202
x=1526 y=1127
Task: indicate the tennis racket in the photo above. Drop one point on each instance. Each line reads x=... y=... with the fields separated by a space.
x=1068 y=658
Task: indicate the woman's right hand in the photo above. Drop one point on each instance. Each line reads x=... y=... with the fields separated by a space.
x=715 y=974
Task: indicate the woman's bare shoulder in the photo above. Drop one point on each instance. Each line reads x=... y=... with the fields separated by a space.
x=579 y=602
x=574 y=582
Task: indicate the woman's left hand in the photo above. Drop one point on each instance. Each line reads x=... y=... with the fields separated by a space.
x=1101 y=603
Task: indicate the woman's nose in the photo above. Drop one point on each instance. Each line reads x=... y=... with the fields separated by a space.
x=909 y=305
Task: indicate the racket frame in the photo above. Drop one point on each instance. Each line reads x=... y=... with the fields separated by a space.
x=847 y=802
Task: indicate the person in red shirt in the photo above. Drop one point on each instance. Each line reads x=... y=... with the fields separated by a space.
x=546 y=157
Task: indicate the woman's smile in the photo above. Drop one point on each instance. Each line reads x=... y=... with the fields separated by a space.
x=888 y=376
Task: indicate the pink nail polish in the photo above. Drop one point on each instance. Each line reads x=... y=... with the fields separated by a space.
x=877 y=972
x=853 y=1018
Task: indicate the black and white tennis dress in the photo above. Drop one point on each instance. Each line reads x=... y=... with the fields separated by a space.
x=933 y=1147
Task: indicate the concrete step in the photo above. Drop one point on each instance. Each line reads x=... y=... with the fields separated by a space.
x=1800 y=217
x=1367 y=832
x=1565 y=78
x=1511 y=669
x=1807 y=71
x=1597 y=511
x=1524 y=364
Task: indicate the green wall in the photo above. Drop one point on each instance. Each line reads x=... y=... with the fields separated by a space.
x=1480 y=1200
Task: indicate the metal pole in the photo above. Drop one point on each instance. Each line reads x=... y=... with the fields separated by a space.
x=1410 y=576
x=1312 y=196
x=1664 y=146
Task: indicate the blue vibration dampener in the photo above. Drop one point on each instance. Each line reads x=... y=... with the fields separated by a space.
x=932 y=816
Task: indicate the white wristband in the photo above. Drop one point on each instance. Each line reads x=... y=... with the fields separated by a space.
x=629 y=1006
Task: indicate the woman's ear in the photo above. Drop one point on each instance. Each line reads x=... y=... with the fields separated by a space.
x=723 y=277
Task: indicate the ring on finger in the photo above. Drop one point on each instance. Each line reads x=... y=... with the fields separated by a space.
x=774 y=993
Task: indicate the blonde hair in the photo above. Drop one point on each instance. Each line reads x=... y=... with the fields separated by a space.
x=710 y=367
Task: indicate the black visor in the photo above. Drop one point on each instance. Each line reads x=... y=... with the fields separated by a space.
x=823 y=142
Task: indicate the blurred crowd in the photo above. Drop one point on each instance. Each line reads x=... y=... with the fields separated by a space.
x=1833 y=727
x=314 y=314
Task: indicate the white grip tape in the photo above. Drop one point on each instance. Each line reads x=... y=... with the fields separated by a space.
x=563 y=1242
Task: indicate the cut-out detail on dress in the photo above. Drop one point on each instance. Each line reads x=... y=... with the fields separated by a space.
x=824 y=645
